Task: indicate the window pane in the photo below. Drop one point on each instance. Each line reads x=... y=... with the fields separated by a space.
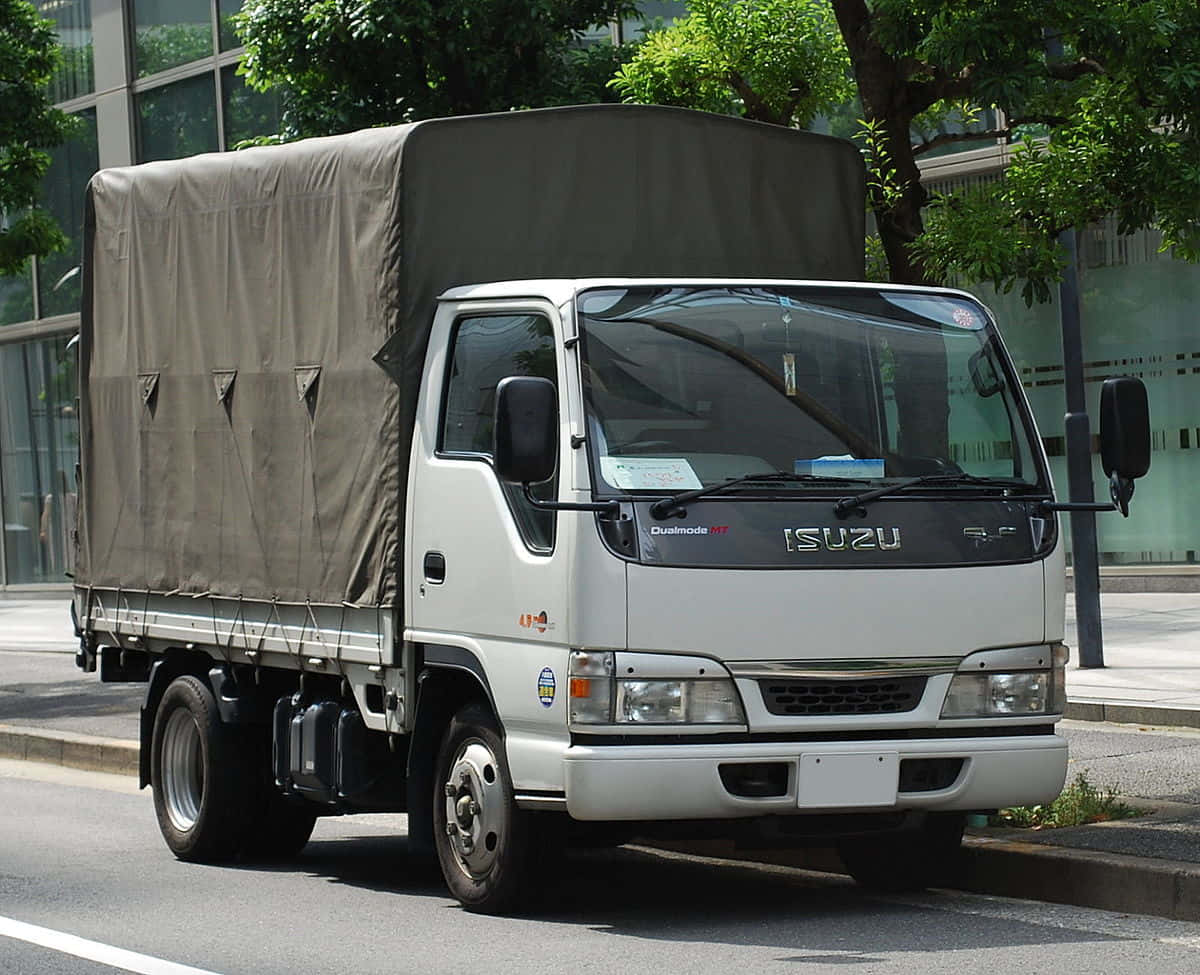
x=39 y=444
x=177 y=120
x=486 y=350
x=170 y=32
x=225 y=11
x=75 y=75
x=726 y=382
x=16 y=295
x=650 y=13
x=62 y=194
x=248 y=113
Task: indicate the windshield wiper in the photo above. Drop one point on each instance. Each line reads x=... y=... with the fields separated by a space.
x=669 y=506
x=846 y=505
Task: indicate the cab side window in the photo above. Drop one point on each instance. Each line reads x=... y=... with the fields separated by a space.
x=486 y=349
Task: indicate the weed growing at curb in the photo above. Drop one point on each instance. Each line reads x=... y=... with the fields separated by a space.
x=1079 y=803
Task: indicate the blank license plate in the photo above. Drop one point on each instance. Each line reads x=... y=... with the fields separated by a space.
x=828 y=781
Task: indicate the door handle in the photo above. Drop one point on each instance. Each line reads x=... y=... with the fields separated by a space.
x=435 y=568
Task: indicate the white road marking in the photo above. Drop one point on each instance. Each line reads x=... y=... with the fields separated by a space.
x=68 y=944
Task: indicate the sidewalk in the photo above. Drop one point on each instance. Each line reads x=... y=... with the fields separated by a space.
x=51 y=712
x=1152 y=661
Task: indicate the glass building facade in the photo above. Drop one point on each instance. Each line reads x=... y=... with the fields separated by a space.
x=156 y=79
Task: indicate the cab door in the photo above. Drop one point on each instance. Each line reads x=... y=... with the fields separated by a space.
x=487 y=571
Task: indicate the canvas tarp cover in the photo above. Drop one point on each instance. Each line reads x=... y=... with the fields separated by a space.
x=217 y=286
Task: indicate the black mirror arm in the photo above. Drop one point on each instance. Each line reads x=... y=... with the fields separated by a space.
x=1119 y=488
x=1048 y=506
x=609 y=507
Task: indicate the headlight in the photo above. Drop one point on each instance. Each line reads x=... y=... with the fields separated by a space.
x=598 y=697
x=1030 y=692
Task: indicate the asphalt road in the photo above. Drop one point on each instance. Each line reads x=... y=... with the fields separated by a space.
x=80 y=856
x=1149 y=763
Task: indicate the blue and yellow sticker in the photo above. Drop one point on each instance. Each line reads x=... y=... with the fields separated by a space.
x=546 y=687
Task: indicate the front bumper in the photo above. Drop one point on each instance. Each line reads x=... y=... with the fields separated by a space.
x=683 y=781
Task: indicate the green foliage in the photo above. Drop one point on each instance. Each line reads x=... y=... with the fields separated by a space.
x=340 y=66
x=883 y=183
x=778 y=61
x=28 y=127
x=1114 y=85
x=586 y=73
x=1079 y=803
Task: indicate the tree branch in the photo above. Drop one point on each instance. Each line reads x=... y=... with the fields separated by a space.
x=921 y=95
x=756 y=108
x=1073 y=70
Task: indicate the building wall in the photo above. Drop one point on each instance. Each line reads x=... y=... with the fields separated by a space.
x=155 y=79
x=148 y=79
x=1139 y=310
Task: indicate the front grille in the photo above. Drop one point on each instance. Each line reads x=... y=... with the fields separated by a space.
x=890 y=695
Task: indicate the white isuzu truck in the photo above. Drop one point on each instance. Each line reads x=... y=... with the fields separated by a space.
x=553 y=477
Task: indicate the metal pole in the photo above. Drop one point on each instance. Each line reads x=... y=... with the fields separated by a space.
x=1085 y=557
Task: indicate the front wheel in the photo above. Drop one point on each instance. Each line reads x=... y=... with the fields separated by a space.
x=906 y=861
x=484 y=842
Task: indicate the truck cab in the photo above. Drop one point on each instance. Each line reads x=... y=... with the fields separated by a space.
x=814 y=570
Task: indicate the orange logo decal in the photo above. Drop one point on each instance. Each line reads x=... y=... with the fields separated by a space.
x=535 y=621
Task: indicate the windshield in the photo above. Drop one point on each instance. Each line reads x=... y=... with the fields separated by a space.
x=687 y=387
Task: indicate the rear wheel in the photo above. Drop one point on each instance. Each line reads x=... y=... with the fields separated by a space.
x=282 y=827
x=904 y=861
x=205 y=782
x=484 y=842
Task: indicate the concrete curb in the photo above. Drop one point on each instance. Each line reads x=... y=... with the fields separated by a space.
x=87 y=752
x=1082 y=878
x=1006 y=867
x=1158 y=715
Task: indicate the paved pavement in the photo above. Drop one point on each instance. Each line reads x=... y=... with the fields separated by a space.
x=49 y=711
x=1151 y=660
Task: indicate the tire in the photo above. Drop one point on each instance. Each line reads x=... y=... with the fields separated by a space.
x=281 y=830
x=205 y=781
x=484 y=843
x=906 y=861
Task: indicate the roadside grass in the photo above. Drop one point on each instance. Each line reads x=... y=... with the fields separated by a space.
x=1079 y=803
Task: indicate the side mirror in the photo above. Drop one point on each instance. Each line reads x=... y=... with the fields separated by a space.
x=525 y=437
x=1124 y=436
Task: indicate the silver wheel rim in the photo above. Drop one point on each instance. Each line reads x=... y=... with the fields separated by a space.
x=182 y=769
x=476 y=810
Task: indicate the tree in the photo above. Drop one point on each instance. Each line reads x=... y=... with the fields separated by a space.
x=340 y=66
x=29 y=126
x=778 y=61
x=1100 y=98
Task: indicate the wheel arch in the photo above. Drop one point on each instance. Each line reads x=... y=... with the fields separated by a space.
x=174 y=663
x=450 y=678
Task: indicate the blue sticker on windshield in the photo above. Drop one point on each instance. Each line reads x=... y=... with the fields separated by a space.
x=785 y=301
x=841 y=467
x=546 y=687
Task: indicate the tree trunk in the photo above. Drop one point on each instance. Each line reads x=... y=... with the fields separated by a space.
x=922 y=395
